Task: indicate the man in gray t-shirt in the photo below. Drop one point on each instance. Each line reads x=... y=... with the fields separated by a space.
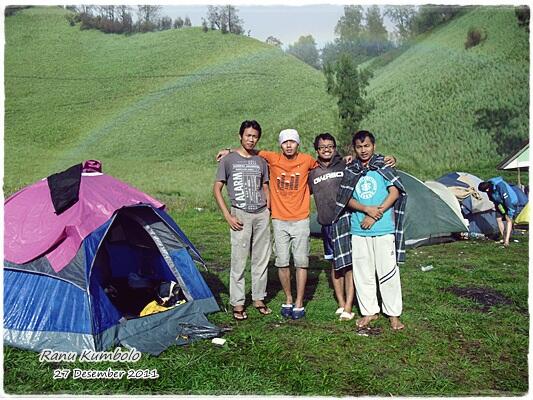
x=246 y=177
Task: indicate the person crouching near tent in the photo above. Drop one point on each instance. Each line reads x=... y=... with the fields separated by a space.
x=506 y=204
x=368 y=231
x=246 y=177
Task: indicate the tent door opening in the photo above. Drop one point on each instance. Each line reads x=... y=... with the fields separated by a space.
x=129 y=266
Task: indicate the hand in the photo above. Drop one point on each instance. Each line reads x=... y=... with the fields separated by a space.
x=347 y=159
x=234 y=223
x=390 y=161
x=374 y=212
x=222 y=153
x=367 y=222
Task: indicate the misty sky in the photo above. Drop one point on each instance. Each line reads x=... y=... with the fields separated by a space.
x=287 y=23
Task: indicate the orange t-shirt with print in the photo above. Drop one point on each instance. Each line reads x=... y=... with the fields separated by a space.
x=290 y=198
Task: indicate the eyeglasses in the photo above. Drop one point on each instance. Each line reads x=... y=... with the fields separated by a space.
x=327 y=147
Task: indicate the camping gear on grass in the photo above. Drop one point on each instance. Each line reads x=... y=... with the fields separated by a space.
x=67 y=275
x=476 y=206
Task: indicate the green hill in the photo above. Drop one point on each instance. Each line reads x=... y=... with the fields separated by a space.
x=155 y=107
x=435 y=102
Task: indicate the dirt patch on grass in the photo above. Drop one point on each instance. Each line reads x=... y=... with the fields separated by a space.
x=485 y=297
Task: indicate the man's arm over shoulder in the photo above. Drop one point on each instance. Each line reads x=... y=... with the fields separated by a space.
x=311 y=162
x=267 y=155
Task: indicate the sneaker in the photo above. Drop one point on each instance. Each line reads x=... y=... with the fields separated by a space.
x=339 y=311
x=298 y=313
x=286 y=310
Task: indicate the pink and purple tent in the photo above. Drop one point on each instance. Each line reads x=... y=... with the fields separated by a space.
x=77 y=279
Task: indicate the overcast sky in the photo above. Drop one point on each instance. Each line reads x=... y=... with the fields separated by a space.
x=287 y=23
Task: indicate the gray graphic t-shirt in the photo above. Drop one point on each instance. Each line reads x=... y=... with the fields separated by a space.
x=244 y=177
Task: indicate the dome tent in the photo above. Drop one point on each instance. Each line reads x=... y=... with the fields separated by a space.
x=69 y=274
x=475 y=205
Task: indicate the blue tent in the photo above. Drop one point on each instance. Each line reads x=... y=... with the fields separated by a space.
x=94 y=302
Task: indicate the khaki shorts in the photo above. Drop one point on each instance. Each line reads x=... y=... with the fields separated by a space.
x=291 y=236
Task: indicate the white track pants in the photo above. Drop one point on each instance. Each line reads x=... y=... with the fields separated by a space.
x=373 y=256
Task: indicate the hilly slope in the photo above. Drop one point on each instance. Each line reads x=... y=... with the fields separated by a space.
x=442 y=108
x=154 y=107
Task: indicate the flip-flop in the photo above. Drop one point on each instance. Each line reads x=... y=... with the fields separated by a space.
x=239 y=315
x=263 y=310
x=346 y=316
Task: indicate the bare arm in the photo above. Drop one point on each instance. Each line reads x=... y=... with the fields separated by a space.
x=373 y=212
x=390 y=161
x=394 y=193
x=266 y=190
x=222 y=153
x=233 y=221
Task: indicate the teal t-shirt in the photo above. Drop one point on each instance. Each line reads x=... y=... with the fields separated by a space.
x=371 y=190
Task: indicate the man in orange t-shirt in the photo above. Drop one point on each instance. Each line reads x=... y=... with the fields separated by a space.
x=290 y=200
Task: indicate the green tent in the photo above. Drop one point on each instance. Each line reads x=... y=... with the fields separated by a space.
x=428 y=218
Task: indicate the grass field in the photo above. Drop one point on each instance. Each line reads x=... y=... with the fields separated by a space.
x=155 y=108
x=452 y=345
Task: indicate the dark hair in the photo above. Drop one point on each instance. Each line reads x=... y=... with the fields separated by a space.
x=362 y=135
x=484 y=186
x=324 y=136
x=250 y=124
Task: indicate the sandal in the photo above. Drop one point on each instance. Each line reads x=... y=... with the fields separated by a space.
x=346 y=316
x=263 y=310
x=239 y=315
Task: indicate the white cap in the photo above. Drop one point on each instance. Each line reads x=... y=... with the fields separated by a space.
x=289 y=134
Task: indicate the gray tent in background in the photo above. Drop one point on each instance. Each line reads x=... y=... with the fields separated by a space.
x=429 y=219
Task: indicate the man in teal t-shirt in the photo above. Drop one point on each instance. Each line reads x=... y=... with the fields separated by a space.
x=373 y=239
x=372 y=190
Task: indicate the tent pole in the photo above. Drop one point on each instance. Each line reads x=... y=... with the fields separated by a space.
x=519 y=184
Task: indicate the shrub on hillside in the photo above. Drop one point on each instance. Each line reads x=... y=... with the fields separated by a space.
x=348 y=84
x=474 y=37
x=522 y=14
x=11 y=10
